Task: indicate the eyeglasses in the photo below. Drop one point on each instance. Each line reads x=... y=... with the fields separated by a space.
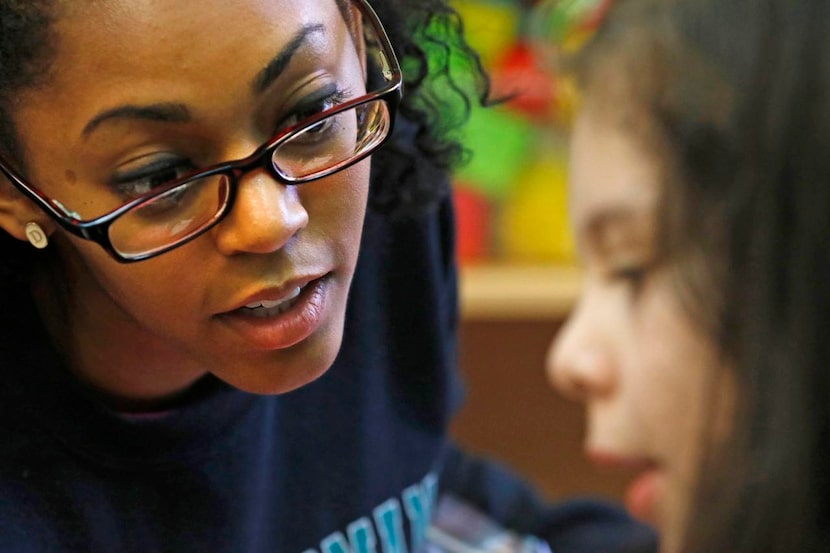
x=318 y=146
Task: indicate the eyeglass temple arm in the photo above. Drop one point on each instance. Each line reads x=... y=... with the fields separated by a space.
x=67 y=219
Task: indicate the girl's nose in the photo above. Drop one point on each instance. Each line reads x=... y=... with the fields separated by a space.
x=265 y=217
x=579 y=362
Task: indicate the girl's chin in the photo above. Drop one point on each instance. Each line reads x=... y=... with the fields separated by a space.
x=650 y=500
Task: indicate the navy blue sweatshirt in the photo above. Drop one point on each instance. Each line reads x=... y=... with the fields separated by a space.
x=353 y=462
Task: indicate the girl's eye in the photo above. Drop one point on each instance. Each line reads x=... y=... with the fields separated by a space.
x=632 y=276
x=136 y=182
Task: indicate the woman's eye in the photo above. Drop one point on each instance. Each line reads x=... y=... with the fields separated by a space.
x=313 y=106
x=136 y=182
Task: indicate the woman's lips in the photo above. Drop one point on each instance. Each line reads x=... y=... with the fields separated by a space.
x=269 y=308
x=272 y=327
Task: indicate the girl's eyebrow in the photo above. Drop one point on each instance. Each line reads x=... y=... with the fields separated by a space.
x=600 y=220
x=606 y=227
x=179 y=113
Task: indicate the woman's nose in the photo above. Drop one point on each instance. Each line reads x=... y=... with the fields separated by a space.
x=579 y=362
x=265 y=216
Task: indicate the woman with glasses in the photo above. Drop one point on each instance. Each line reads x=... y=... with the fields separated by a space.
x=187 y=188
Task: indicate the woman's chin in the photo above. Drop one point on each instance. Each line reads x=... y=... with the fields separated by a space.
x=282 y=371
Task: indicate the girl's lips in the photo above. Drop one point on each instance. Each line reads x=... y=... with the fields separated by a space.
x=643 y=495
x=646 y=490
x=285 y=329
x=605 y=459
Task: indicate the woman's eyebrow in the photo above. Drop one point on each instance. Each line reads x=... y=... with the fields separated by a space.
x=278 y=63
x=165 y=112
x=179 y=113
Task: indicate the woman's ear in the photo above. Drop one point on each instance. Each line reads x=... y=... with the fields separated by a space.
x=21 y=218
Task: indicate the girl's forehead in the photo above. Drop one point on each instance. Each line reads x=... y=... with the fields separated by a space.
x=610 y=164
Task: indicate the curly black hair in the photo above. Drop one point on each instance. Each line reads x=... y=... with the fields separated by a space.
x=443 y=78
x=409 y=173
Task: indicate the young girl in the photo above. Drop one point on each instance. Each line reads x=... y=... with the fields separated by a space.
x=185 y=196
x=700 y=191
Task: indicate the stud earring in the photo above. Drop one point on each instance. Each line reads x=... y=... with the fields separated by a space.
x=35 y=235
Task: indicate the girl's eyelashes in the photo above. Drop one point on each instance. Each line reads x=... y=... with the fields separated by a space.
x=629 y=273
x=145 y=178
x=632 y=275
